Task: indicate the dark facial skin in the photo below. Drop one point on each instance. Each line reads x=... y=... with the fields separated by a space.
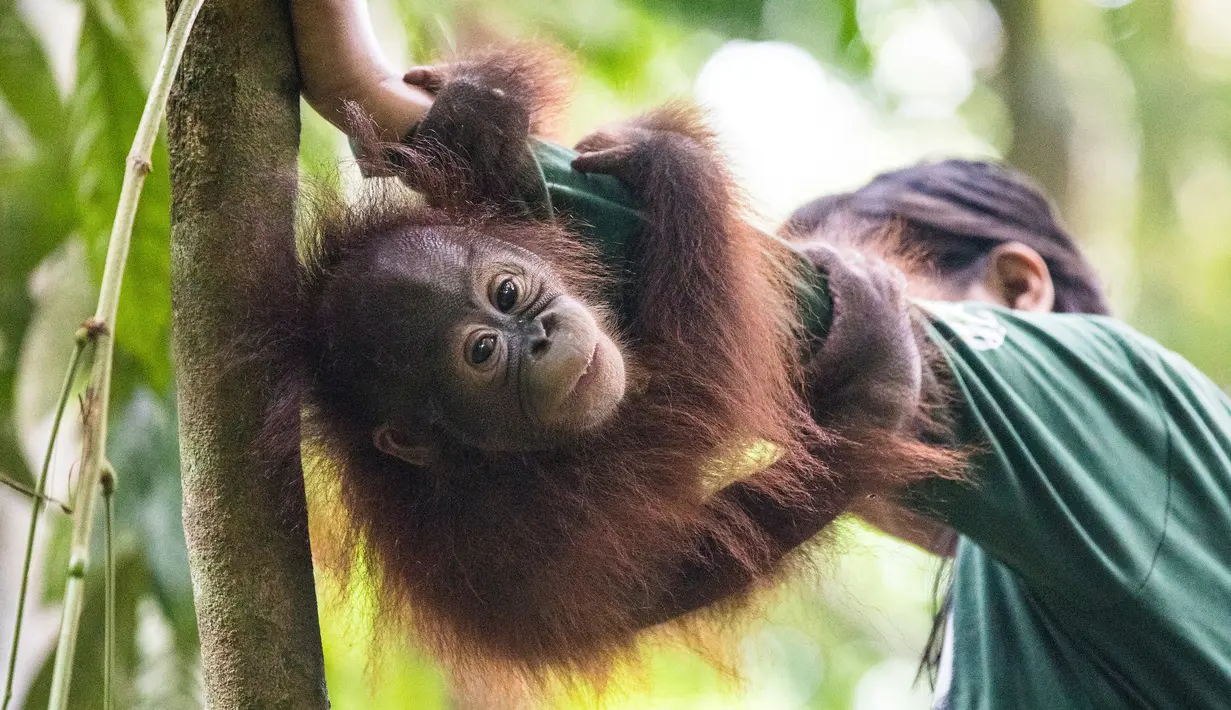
x=513 y=362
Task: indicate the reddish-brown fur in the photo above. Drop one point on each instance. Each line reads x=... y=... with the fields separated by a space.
x=551 y=561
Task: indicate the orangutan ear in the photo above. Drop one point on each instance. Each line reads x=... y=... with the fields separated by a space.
x=414 y=449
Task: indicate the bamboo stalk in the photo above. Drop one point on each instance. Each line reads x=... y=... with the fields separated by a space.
x=40 y=497
x=99 y=390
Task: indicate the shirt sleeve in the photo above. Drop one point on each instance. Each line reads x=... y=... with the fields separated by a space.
x=1069 y=477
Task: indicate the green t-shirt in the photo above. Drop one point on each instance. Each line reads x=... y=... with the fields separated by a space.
x=1094 y=569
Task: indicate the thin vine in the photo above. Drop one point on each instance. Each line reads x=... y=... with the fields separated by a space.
x=40 y=497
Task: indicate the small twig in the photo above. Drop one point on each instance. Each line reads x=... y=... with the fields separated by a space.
x=32 y=494
x=72 y=479
x=18 y=486
x=108 y=485
x=39 y=495
x=96 y=403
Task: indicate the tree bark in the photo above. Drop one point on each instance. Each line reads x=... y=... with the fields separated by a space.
x=1033 y=92
x=233 y=124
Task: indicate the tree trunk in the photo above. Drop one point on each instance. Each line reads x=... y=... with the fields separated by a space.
x=233 y=123
x=1032 y=90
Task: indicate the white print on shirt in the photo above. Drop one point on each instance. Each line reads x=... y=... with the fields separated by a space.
x=977 y=326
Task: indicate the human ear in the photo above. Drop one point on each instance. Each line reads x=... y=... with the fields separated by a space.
x=413 y=449
x=1019 y=278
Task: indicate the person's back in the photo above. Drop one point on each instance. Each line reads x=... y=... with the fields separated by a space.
x=1092 y=568
x=1088 y=573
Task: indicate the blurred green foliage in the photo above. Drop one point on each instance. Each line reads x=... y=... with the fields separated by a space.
x=1122 y=109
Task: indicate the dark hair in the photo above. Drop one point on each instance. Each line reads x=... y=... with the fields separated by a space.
x=953 y=214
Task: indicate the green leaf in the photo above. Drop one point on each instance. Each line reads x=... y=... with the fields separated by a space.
x=12 y=463
x=107 y=106
x=140 y=23
x=63 y=298
x=37 y=213
x=27 y=83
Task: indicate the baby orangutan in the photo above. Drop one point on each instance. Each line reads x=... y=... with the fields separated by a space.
x=526 y=436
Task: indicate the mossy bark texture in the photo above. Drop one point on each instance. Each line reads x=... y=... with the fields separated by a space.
x=233 y=124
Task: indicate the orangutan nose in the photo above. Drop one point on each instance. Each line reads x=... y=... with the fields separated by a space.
x=541 y=332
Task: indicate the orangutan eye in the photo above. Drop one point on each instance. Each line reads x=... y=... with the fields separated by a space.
x=482 y=348
x=506 y=295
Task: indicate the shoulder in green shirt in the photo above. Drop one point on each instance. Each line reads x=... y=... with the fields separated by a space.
x=1095 y=564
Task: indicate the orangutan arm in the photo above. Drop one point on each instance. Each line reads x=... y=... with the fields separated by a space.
x=865 y=374
x=907 y=525
x=708 y=310
x=714 y=574
x=687 y=265
x=865 y=386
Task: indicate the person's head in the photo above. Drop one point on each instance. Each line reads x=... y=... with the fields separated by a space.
x=979 y=232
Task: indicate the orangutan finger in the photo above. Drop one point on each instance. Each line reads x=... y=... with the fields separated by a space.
x=609 y=161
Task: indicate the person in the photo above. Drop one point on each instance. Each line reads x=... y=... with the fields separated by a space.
x=1091 y=566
